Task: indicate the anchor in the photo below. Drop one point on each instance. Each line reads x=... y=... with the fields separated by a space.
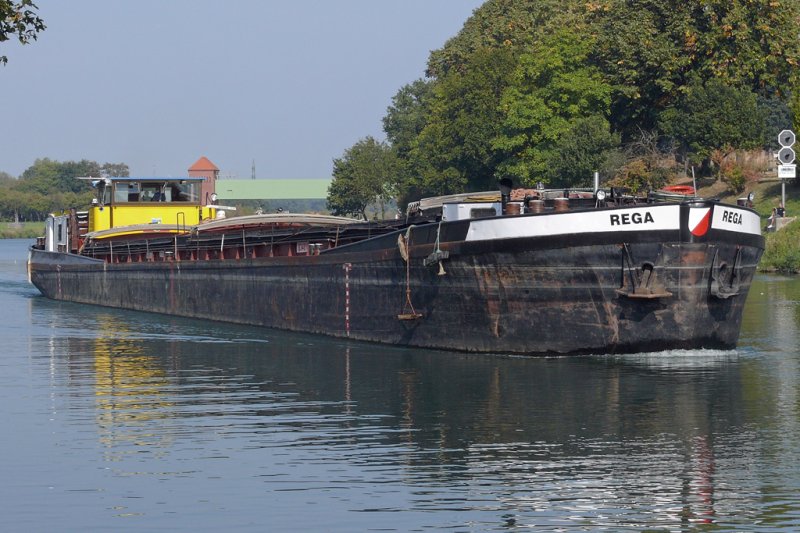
x=725 y=281
x=438 y=255
x=640 y=283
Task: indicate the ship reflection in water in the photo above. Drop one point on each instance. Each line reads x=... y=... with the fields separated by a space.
x=218 y=426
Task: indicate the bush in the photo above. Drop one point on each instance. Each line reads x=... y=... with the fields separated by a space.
x=735 y=179
x=638 y=177
x=737 y=168
x=782 y=253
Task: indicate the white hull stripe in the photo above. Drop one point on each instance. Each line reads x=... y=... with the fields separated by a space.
x=654 y=218
x=635 y=219
x=739 y=220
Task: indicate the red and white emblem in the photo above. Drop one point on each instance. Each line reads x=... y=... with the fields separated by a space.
x=699 y=219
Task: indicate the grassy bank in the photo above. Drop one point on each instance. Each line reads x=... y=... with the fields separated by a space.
x=23 y=230
x=782 y=253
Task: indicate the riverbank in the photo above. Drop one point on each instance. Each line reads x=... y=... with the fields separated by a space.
x=21 y=230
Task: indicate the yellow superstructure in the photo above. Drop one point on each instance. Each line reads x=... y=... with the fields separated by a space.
x=128 y=201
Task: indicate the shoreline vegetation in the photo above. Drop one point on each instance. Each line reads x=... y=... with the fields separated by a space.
x=21 y=230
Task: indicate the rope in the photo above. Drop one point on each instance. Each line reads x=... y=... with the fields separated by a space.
x=404 y=244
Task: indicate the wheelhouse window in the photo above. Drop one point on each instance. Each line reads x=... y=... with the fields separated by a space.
x=153 y=192
x=184 y=191
x=126 y=192
x=156 y=191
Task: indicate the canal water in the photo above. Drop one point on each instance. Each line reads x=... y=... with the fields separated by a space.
x=115 y=421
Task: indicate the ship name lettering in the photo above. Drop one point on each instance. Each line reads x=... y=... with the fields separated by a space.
x=631 y=218
x=732 y=217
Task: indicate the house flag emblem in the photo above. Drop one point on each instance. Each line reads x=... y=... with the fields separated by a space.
x=699 y=218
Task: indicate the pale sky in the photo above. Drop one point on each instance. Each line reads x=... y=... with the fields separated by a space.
x=156 y=84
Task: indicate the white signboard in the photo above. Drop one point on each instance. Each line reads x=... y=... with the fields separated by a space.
x=786 y=171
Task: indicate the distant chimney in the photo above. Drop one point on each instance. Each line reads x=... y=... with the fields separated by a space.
x=204 y=168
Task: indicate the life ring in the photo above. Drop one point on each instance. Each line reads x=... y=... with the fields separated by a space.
x=679 y=189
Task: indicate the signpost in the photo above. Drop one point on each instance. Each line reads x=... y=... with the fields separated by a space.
x=786 y=167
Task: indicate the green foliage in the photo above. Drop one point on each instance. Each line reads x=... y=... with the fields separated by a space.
x=735 y=179
x=404 y=121
x=509 y=24
x=406 y=117
x=48 y=186
x=19 y=19
x=365 y=174
x=589 y=146
x=454 y=151
x=782 y=253
x=714 y=115
x=553 y=95
x=551 y=90
x=22 y=230
x=734 y=172
x=644 y=47
x=650 y=50
x=777 y=117
x=638 y=176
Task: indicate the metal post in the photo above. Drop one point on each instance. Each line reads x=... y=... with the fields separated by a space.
x=596 y=182
x=783 y=196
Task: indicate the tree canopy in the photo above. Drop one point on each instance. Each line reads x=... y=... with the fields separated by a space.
x=18 y=19
x=715 y=115
x=365 y=175
x=49 y=185
x=551 y=90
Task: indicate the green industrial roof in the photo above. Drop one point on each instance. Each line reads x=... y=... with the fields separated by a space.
x=273 y=189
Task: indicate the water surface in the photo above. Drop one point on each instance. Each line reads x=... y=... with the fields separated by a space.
x=118 y=420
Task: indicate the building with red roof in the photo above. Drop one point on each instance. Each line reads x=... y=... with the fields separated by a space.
x=204 y=168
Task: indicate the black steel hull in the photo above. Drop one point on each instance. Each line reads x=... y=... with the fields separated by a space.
x=563 y=293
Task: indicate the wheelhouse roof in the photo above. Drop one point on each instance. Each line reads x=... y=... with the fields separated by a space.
x=137 y=178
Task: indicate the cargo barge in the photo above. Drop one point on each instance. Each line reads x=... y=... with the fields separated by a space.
x=531 y=272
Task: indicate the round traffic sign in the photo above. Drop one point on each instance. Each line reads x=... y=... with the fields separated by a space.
x=786 y=138
x=786 y=155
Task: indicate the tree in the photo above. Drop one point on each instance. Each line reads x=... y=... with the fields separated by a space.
x=511 y=24
x=589 y=146
x=552 y=89
x=651 y=50
x=50 y=185
x=404 y=121
x=364 y=175
x=19 y=19
x=555 y=95
x=713 y=116
x=777 y=117
x=115 y=169
x=407 y=116
x=11 y=203
x=47 y=176
x=454 y=151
